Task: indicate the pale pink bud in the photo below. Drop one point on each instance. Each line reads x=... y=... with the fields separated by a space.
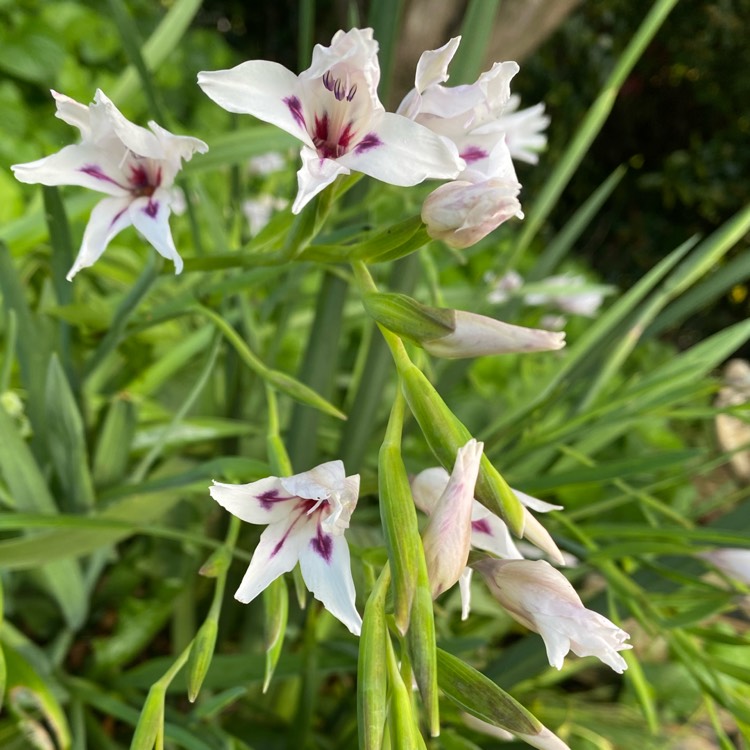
x=447 y=536
x=477 y=335
x=542 y=599
x=460 y=213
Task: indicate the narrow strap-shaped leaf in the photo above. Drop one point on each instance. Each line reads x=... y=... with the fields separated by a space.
x=481 y=697
x=66 y=442
x=159 y=45
x=589 y=128
x=476 y=30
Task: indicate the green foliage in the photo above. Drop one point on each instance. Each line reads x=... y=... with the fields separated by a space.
x=123 y=395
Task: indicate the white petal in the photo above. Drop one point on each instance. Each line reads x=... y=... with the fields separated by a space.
x=265 y=501
x=427 y=487
x=260 y=88
x=538 y=535
x=326 y=570
x=556 y=643
x=175 y=149
x=73 y=112
x=353 y=54
x=150 y=216
x=314 y=175
x=82 y=164
x=401 y=152
x=318 y=483
x=464 y=585
x=106 y=118
x=108 y=217
x=488 y=532
x=539 y=506
x=432 y=67
x=277 y=553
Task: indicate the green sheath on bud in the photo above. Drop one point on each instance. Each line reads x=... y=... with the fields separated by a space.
x=445 y=434
x=151 y=721
x=407 y=317
x=201 y=655
x=372 y=684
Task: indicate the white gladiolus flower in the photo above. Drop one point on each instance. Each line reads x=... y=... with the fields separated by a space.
x=447 y=536
x=134 y=167
x=733 y=561
x=333 y=108
x=307 y=515
x=543 y=600
x=572 y=302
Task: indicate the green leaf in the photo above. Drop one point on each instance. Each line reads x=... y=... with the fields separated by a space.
x=115 y=441
x=481 y=697
x=476 y=30
x=66 y=443
x=29 y=694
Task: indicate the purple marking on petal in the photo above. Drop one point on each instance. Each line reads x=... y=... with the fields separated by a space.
x=152 y=208
x=473 y=153
x=482 y=526
x=117 y=217
x=352 y=92
x=371 y=140
x=322 y=544
x=303 y=506
x=268 y=498
x=94 y=170
x=295 y=107
x=138 y=177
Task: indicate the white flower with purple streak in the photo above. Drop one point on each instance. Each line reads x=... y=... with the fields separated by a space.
x=306 y=515
x=133 y=166
x=488 y=531
x=333 y=108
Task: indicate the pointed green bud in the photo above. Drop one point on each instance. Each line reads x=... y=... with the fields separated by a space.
x=201 y=655
x=456 y=334
x=407 y=317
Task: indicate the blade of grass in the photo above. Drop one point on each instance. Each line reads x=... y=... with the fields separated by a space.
x=476 y=30
x=589 y=128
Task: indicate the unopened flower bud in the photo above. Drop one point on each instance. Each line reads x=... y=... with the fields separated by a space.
x=477 y=335
x=543 y=600
x=461 y=213
x=447 y=536
x=455 y=334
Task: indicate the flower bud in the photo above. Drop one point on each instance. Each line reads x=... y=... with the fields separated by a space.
x=478 y=335
x=542 y=599
x=461 y=213
x=447 y=536
x=455 y=334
